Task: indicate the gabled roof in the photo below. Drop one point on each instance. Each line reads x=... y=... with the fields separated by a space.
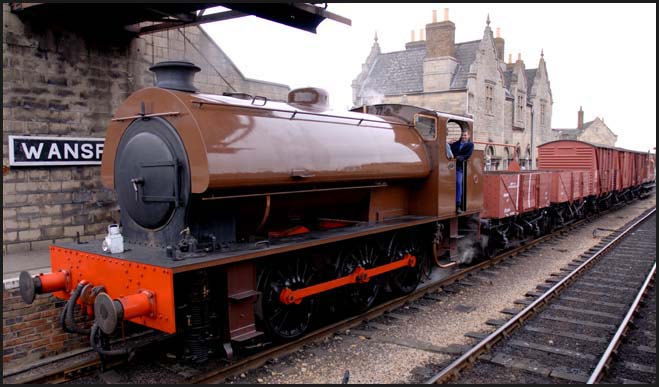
x=399 y=72
x=587 y=124
x=530 y=77
x=465 y=54
x=507 y=78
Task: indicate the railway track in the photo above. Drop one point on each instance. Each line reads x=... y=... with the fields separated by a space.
x=636 y=361
x=569 y=332
x=222 y=371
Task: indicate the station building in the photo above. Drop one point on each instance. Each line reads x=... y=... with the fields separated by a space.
x=510 y=103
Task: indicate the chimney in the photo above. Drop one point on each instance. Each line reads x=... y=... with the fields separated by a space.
x=580 y=119
x=440 y=38
x=439 y=64
x=422 y=34
x=499 y=44
x=175 y=75
x=510 y=65
x=413 y=43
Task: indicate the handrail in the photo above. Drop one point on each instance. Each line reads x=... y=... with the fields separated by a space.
x=299 y=112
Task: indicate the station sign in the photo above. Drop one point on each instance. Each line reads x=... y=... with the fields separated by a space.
x=54 y=151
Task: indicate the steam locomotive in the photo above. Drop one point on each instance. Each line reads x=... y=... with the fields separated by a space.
x=242 y=217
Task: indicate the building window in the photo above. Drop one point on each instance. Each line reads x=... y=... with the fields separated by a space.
x=542 y=115
x=489 y=158
x=489 y=99
x=528 y=158
x=506 y=159
x=520 y=107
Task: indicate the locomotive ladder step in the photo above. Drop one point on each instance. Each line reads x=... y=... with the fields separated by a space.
x=457 y=236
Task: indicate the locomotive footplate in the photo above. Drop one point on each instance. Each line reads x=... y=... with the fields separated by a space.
x=157 y=256
x=140 y=270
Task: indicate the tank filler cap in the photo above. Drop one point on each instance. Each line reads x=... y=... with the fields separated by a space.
x=310 y=98
x=176 y=75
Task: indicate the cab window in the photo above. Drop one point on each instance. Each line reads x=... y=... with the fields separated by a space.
x=426 y=126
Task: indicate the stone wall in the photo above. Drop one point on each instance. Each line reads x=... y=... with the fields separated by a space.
x=598 y=133
x=488 y=125
x=61 y=83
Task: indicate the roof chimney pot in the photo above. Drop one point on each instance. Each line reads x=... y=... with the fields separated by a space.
x=500 y=45
x=580 y=118
x=434 y=16
x=445 y=14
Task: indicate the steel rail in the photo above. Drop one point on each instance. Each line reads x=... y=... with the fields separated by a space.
x=453 y=369
x=617 y=338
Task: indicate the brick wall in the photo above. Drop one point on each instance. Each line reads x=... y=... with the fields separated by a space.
x=61 y=83
x=33 y=332
x=440 y=39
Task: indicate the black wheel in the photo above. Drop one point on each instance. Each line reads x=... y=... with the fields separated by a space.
x=281 y=321
x=406 y=279
x=359 y=297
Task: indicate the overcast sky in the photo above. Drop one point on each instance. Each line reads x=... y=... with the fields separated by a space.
x=600 y=56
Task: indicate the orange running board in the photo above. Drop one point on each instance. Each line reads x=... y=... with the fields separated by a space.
x=360 y=275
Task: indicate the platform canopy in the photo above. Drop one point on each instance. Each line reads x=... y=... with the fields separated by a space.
x=142 y=18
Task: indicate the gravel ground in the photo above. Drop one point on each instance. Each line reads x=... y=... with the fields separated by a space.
x=391 y=354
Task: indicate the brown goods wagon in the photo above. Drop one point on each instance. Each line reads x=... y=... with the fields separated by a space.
x=544 y=189
x=614 y=169
x=567 y=155
x=607 y=165
x=589 y=184
x=561 y=187
x=649 y=168
x=501 y=194
x=528 y=198
x=626 y=169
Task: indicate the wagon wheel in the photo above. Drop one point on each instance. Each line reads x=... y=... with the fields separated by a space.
x=406 y=279
x=283 y=321
x=359 y=297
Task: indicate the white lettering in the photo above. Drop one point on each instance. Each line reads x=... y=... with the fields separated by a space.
x=68 y=150
x=54 y=150
x=87 y=151
x=32 y=152
x=99 y=151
